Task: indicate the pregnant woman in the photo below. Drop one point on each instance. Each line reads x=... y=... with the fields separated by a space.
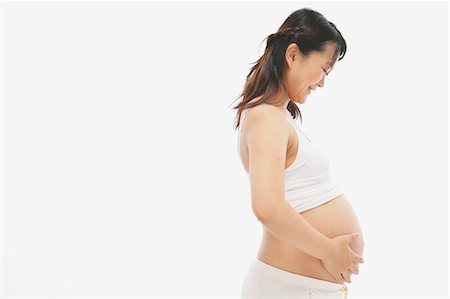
x=312 y=242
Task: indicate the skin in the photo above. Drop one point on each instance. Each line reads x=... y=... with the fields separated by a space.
x=304 y=72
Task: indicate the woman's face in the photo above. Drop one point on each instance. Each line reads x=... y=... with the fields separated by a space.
x=307 y=72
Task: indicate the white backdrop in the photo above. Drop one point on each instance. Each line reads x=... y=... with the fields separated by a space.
x=119 y=166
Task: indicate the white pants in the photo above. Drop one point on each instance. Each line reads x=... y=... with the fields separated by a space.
x=265 y=281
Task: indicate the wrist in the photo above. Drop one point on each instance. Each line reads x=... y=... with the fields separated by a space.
x=325 y=248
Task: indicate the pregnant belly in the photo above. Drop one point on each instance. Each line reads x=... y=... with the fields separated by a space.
x=333 y=218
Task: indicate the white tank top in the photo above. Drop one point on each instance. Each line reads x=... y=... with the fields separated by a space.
x=308 y=182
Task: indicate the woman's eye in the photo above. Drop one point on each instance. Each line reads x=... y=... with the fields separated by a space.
x=325 y=71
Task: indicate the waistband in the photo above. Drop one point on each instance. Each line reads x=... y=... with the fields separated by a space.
x=297 y=279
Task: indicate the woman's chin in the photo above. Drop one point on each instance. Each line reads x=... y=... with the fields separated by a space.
x=302 y=99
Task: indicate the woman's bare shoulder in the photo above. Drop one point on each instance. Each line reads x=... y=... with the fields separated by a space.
x=264 y=113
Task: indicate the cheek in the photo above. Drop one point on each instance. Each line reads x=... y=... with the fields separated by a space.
x=315 y=76
x=297 y=82
x=318 y=76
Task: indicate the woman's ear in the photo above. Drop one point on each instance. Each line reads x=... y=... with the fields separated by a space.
x=292 y=55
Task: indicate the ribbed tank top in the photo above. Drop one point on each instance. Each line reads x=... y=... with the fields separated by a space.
x=308 y=181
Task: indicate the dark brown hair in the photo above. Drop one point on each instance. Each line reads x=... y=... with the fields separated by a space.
x=310 y=31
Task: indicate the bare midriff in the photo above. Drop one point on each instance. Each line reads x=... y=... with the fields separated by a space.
x=333 y=218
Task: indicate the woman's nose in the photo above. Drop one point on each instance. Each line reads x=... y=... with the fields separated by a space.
x=322 y=81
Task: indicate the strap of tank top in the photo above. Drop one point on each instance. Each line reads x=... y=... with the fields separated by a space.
x=289 y=117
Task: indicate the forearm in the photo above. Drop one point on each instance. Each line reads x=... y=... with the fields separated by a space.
x=291 y=227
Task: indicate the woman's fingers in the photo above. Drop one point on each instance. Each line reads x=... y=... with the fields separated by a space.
x=339 y=278
x=358 y=259
x=354 y=269
x=346 y=278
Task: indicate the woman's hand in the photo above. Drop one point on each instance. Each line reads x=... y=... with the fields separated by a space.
x=341 y=261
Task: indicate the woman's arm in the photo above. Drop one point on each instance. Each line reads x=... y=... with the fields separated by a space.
x=267 y=139
x=290 y=227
